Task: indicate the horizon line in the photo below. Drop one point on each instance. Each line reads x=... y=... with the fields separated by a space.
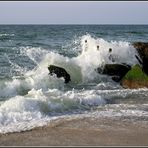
x=71 y=24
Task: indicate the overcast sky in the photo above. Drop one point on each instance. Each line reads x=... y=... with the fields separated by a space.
x=73 y=12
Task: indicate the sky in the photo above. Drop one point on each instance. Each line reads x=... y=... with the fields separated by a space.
x=73 y=12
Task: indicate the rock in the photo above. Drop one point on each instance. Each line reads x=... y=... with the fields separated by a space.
x=60 y=72
x=142 y=49
x=135 y=78
x=115 y=70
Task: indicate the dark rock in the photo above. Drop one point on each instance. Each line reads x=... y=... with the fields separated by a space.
x=60 y=72
x=116 y=78
x=142 y=49
x=115 y=70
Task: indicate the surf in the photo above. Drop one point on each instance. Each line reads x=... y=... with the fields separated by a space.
x=35 y=97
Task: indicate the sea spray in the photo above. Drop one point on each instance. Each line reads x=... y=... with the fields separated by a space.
x=35 y=97
x=81 y=68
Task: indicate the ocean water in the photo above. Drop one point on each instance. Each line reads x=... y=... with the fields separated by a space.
x=30 y=97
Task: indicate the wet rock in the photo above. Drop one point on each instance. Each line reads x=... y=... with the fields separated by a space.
x=135 y=78
x=142 y=49
x=117 y=71
x=60 y=72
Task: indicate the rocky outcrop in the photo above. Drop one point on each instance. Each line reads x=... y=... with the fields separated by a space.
x=142 y=49
x=135 y=78
x=117 y=71
x=60 y=72
x=129 y=78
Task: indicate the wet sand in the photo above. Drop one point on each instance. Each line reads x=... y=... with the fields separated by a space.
x=82 y=132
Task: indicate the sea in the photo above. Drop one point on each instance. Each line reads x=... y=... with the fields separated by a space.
x=30 y=97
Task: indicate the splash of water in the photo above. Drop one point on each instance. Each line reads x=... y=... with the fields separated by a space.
x=36 y=95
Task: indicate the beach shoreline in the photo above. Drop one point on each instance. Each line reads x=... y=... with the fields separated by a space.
x=81 y=132
x=96 y=108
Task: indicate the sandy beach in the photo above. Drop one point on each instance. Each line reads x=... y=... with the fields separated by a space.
x=81 y=132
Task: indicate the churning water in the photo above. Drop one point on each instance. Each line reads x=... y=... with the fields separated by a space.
x=30 y=97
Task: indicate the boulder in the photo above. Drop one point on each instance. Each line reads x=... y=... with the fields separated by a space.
x=135 y=78
x=60 y=72
x=142 y=49
x=117 y=71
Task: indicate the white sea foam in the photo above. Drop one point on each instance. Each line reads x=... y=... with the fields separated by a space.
x=36 y=98
x=82 y=68
x=5 y=35
x=37 y=105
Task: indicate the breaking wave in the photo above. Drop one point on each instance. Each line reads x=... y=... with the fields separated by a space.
x=36 y=97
